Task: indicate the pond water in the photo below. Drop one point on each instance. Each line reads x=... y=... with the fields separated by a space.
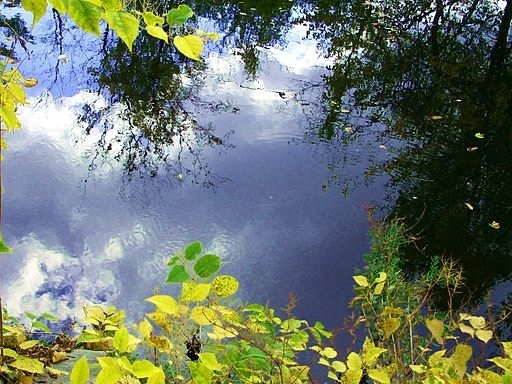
x=301 y=117
x=86 y=230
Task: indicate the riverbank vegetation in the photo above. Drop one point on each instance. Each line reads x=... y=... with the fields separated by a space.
x=205 y=334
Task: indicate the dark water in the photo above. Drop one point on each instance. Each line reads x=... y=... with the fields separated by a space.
x=301 y=117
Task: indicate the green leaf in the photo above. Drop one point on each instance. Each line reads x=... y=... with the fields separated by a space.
x=36 y=7
x=207 y=265
x=40 y=325
x=179 y=15
x=195 y=291
x=193 y=249
x=121 y=340
x=178 y=274
x=125 y=25
x=157 y=32
x=80 y=372
x=189 y=45
x=86 y=15
x=479 y=135
x=49 y=316
x=166 y=304
x=112 y=5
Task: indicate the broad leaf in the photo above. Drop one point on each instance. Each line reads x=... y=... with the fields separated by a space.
x=125 y=25
x=178 y=274
x=194 y=292
x=179 y=15
x=164 y=303
x=151 y=19
x=86 y=15
x=189 y=45
x=360 y=280
x=28 y=364
x=144 y=368
x=207 y=265
x=80 y=372
x=203 y=315
x=224 y=286
x=157 y=32
x=36 y=7
x=121 y=340
x=436 y=328
x=112 y=5
x=200 y=373
x=193 y=249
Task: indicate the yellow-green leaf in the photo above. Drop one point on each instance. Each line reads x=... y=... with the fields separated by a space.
x=165 y=303
x=158 y=32
x=224 y=285
x=85 y=14
x=36 y=7
x=179 y=15
x=30 y=82
x=467 y=329
x=418 y=368
x=339 y=366
x=189 y=45
x=195 y=291
x=125 y=25
x=112 y=5
x=483 y=335
x=210 y=360
x=203 y=315
x=201 y=374
x=156 y=378
x=495 y=224
x=80 y=372
x=436 y=328
x=59 y=5
x=371 y=353
x=121 y=340
x=507 y=346
x=382 y=277
x=144 y=368
x=29 y=344
x=477 y=322
x=470 y=207
x=354 y=361
x=329 y=352
x=352 y=376
x=9 y=118
x=379 y=375
x=361 y=280
x=479 y=135
x=378 y=288
x=28 y=364
x=460 y=358
x=151 y=19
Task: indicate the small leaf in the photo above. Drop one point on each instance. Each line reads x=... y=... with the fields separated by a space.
x=477 y=322
x=207 y=265
x=151 y=19
x=361 y=280
x=189 y=45
x=178 y=274
x=3 y=247
x=436 y=117
x=483 y=335
x=479 y=135
x=193 y=249
x=125 y=25
x=495 y=225
x=157 y=32
x=29 y=344
x=382 y=277
x=179 y=15
x=436 y=328
x=466 y=329
x=164 y=303
x=30 y=82
x=354 y=361
x=195 y=291
x=378 y=288
x=224 y=286
x=470 y=207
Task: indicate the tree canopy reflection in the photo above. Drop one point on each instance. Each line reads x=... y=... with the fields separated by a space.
x=438 y=75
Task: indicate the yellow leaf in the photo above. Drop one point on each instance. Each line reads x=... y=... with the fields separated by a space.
x=467 y=329
x=418 y=368
x=470 y=207
x=352 y=376
x=382 y=277
x=36 y=7
x=436 y=328
x=479 y=135
x=203 y=315
x=477 y=322
x=224 y=285
x=80 y=371
x=378 y=288
x=460 y=358
x=354 y=361
x=28 y=364
x=125 y=25
x=30 y=82
x=164 y=303
x=484 y=335
x=29 y=344
x=507 y=346
x=495 y=225
x=329 y=353
x=379 y=375
x=158 y=32
x=210 y=361
x=361 y=280
x=370 y=353
x=436 y=117
x=189 y=45
x=195 y=291
x=339 y=366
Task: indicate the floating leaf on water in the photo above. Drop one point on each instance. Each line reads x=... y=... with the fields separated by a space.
x=471 y=149
x=495 y=224
x=470 y=207
x=30 y=82
x=436 y=117
x=479 y=135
